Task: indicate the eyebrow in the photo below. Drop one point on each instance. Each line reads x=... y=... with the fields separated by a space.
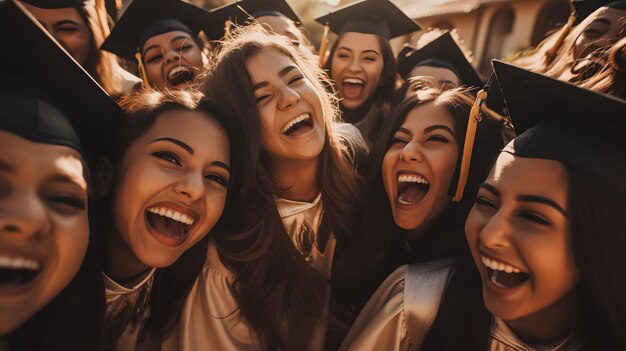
x=365 y=51
x=64 y=178
x=66 y=21
x=6 y=167
x=527 y=198
x=221 y=165
x=438 y=126
x=175 y=141
x=601 y=20
x=283 y=72
x=155 y=46
x=404 y=130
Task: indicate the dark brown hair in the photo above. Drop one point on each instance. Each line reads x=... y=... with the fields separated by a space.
x=611 y=80
x=275 y=287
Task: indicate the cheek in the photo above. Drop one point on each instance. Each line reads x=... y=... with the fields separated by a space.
x=552 y=266
x=389 y=161
x=375 y=71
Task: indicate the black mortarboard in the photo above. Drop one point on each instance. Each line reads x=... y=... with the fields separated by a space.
x=144 y=19
x=42 y=88
x=584 y=8
x=213 y=23
x=55 y=4
x=379 y=17
x=558 y=121
x=260 y=8
x=445 y=49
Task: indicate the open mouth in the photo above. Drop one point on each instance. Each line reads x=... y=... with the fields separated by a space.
x=18 y=270
x=353 y=87
x=169 y=222
x=180 y=75
x=502 y=274
x=412 y=188
x=298 y=126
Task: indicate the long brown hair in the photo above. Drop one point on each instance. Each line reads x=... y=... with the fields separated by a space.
x=611 y=80
x=275 y=287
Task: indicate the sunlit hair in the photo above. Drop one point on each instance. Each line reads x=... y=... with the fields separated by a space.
x=273 y=298
x=172 y=284
x=563 y=64
x=611 y=80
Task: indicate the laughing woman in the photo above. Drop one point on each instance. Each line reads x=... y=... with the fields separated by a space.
x=264 y=285
x=170 y=183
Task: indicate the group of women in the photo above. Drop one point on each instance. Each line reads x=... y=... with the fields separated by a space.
x=245 y=193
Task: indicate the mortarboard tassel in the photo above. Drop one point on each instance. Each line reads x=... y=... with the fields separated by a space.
x=470 y=136
x=551 y=53
x=142 y=70
x=323 y=44
x=227 y=26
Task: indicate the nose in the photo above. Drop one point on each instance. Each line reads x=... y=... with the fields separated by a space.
x=355 y=65
x=191 y=186
x=23 y=214
x=497 y=232
x=172 y=55
x=411 y=153
x=289 y=98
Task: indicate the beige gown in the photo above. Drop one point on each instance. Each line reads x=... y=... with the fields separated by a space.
x=402 y=310
x=210 y=318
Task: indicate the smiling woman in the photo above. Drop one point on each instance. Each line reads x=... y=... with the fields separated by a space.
x=171 y=171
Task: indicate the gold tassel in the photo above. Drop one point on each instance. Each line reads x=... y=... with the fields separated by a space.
x=323 y=44
x=101 y=12
x=227 y=26
x=142 y=70
x=470 y=135
x=551 y=53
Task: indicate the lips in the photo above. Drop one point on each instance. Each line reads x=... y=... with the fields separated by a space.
x=503 y=275
x=18 y=270
x=411 y=188
x=353 y=88
x=298 y=125
x=170 y=224
x=179 y=75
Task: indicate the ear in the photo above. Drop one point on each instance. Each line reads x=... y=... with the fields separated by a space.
x=103 y=179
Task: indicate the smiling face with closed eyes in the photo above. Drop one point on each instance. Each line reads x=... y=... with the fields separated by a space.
x=171 y=186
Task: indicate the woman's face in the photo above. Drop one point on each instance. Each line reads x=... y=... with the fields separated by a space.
x=68 y=28
x=441 y=77
x=44 y=229
x=606 y=26
x=171 y=186
x=172 y=60
x=357 y=67
x=419 y=165
x=518 y=234
x=292 y=119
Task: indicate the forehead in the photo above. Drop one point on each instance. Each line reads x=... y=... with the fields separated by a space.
x=267 y=63
x=437 y=72
x=54 y=15
x=38 y=160
x=359 y=42
x=535 y=176
x=166 y=38
x=426 y=115
x=280 y=25
x=608 y=13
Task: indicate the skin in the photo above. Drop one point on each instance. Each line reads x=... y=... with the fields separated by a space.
x=160 y=172
x=443 y=77
x=67 y=27
x=164 y=52
x=606 y=26
x=286 y=27
x=283 y=92
x=358 y=56
x=520 y=218
x=424 y=145
x=43 y=217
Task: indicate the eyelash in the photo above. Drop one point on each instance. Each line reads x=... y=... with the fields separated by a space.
x=154 y=58
x=69 y=200
x=482 y=201
x=218 y=179
x=168 y=156
x=398 y=141
x=534 y=218
x=438 y=138
x=295 y=79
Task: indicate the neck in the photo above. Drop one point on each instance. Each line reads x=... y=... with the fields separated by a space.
x=297 y=178
x=358 y=114
x=550 y=324
x=120 y=260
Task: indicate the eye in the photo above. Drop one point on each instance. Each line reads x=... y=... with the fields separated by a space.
x=68 y=28
x=398 y=140
x=295 y=79
x=262 y=98
x=67 y=203
x=534 y=217
x=438 y=138
x=186 y=47
x=295 y=43
x=370 y=58
x=155 y=58
x=342 y=55
x=168 y=156
x=218 y=179
x=482 y=201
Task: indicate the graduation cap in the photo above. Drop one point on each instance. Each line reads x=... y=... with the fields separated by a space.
x=442 y=52
x=216 y=23
x=45 y=96
x=55 y=4
x=584 y=8
x=379 y=17
x=555 y=120
x=144 y=19
x=260 y=8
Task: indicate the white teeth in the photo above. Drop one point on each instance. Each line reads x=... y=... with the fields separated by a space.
x=353 y=81
x=172 y=214
x=175 y=71
x=402 y=201
x=411 y=178
x=498 y=266
x=302 y=117
x=7 y=262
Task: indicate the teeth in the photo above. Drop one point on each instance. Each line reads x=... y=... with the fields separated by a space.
x=172 y=214
x=18 y=263
x=175 y=71
x=302 y=117
x=353 y=81
x=411 y=178
x=402 y=201
x=498 y=266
